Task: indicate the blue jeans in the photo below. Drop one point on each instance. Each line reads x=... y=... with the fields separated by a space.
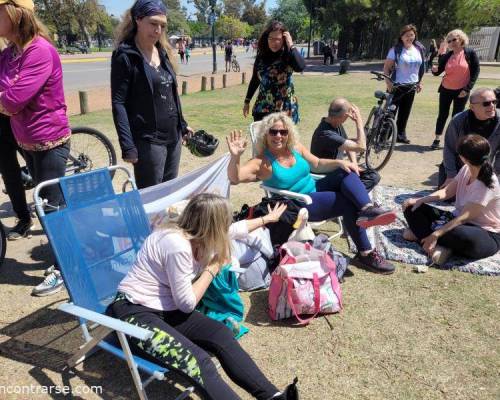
x=341 y=194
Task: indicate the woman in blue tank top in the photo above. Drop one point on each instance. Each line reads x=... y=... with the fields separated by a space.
x=284 y=163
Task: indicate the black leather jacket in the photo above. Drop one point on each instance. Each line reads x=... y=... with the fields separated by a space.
x=132 y=98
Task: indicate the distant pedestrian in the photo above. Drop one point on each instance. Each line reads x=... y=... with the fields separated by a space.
x=433 y=51
x=277 y=59
x=228 y=55
x=187 y=54
x=181 y=46
x=327 y=54
x=146 y=106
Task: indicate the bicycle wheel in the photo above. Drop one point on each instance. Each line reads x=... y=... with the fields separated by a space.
x=90 y=149
x=3 y=243
x=368 y=131
x=236 y=67
x=381 y=144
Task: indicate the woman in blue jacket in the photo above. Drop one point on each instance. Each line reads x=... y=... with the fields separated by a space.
x=146 y=107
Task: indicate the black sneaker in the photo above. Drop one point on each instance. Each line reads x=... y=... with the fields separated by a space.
x=22 y=229
x=375 y=215
x=290 y=393
x=435 y=145
x=403 y=139
x=373 y=261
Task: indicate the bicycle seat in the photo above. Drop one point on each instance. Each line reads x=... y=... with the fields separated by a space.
x=380 y=95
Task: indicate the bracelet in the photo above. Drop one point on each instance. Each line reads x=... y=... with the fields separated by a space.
x=210 y=272
x=263 y=222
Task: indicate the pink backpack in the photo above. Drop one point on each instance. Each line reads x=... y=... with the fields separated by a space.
x=304 y=282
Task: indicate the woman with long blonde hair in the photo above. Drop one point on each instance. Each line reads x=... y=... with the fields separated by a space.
x=146 y=106
x=174 y=268
x=31 y=93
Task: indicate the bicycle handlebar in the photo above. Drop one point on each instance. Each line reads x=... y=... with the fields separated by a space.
x=381 y=76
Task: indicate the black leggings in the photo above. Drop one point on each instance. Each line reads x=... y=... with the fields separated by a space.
x=446 y=97
x=467 y=240
x=403 y=99
x=11 y=171
x=181 y=342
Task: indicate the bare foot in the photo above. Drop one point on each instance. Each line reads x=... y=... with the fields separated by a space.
x=409 y=235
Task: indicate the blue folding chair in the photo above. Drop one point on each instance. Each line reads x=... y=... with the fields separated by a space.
x=95 y=239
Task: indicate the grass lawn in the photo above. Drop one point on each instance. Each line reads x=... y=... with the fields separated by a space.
x=404 y=336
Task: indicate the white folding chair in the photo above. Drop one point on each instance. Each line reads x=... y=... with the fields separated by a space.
x=304 y=198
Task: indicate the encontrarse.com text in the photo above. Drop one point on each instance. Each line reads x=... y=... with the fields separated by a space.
x=54 y=389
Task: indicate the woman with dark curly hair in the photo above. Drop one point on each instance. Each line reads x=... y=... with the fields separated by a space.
x=277 y=59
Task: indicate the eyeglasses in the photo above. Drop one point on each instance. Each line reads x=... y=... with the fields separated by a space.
x=487 y=103
x=282 y=132
x=452 y=40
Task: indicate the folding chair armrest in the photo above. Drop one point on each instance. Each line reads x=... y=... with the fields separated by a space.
x=286 y=193
x=109 y=322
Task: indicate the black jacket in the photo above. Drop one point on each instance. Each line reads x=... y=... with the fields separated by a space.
x=132 y=98
x=471 y=58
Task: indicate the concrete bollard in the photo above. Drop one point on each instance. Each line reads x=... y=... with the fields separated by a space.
x=84 y=102
x=243 y=78
x=212 y=82
x=184 y=88
x=344 y=66
x=203 y=83
x=224 y=81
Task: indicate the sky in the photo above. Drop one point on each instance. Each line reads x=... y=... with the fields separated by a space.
x=117 y=7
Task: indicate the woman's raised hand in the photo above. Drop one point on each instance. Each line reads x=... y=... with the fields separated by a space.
x=236 y=142
x=288 y=39
x=274 y=214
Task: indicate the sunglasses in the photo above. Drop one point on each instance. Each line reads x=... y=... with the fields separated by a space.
x=452 y=40
x=282 y=132
x=487 y=103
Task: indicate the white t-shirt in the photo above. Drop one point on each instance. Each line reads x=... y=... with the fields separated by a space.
x=161 y=277
x=408 y=64
x=478 y=193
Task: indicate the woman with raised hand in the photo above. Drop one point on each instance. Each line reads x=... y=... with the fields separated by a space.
x=473 y=229
x=461 y=68
x=405 y=63
x=277 y=59
x=174 y=268
x=31 y=93
x=284 y=163
x=146 y=106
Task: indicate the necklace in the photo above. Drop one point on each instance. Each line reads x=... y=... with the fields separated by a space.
x=150 y=61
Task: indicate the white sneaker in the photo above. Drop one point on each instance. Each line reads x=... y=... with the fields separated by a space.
x=440 y=255
x=49 y=270
x=53 y=283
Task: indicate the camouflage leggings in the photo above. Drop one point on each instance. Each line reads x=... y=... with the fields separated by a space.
x=181 y=342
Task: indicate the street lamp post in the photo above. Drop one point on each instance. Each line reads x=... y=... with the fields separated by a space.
x=214 y=49
x=310 y=30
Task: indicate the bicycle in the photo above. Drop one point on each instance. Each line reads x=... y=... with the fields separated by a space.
x=235 y=65
x=89 y=149
x=380 y=127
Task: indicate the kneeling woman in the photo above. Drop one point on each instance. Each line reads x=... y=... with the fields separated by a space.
x=473 y=229
x=283 y=163
x=170 y=276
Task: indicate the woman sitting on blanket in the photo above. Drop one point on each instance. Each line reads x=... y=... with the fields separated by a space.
x=173 y=270
x=283 y=163
x=473 y=229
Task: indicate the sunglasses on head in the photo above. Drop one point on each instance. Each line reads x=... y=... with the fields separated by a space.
x=282 y=132
x=487 y=103
x=452 y=40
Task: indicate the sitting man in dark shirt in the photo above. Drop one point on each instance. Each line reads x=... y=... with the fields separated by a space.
x=483 y=119
x=330 y=139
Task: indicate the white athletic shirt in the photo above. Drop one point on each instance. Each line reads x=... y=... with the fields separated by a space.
x=408 y=64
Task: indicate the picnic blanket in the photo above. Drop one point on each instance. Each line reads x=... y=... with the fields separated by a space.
x=389 y=239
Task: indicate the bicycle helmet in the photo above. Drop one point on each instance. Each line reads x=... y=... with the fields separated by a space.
x=202 y=144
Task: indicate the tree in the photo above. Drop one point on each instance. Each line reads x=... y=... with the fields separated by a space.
x=294 y=15
x=177 y=20
x=254 y=14
x=202 y=10
x=233 y=8
x=231 y=28
x=475 y=13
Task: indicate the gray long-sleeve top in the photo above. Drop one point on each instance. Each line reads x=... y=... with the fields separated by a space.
x=458 y=127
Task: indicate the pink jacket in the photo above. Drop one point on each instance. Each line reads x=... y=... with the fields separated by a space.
x=31 y=87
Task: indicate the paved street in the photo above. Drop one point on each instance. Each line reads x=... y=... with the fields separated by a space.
x=87 y=73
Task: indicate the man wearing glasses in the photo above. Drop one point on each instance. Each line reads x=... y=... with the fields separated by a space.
x=483 y=118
